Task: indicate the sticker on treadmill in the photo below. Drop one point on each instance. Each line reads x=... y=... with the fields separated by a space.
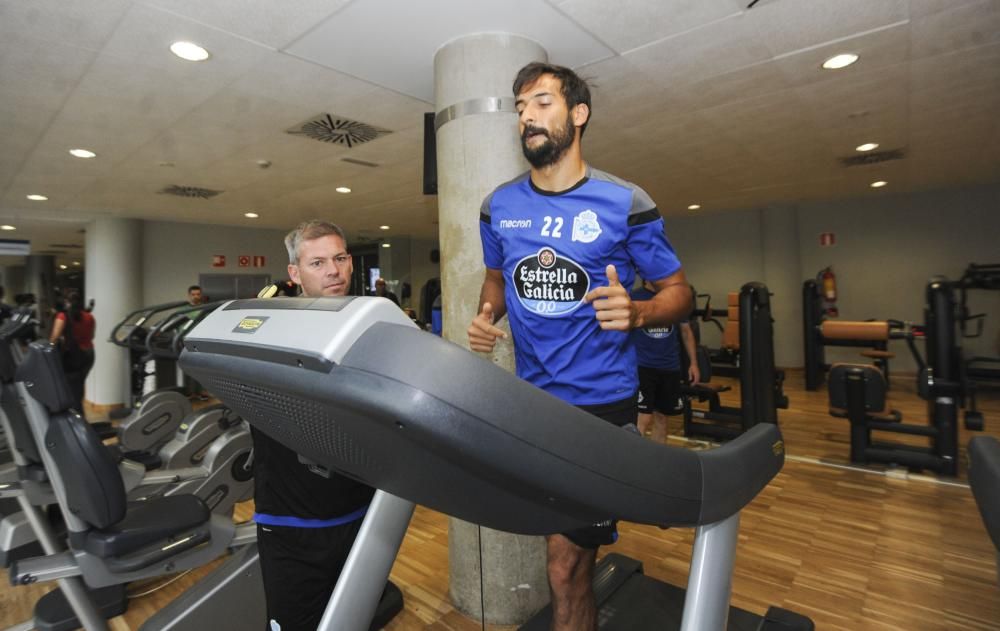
x=550 y=285
x=658 y=332
x=250 y=324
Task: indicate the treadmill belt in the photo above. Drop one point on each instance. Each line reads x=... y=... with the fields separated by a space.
x=641 y=603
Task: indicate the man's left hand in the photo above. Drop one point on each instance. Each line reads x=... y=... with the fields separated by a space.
x=614 y=308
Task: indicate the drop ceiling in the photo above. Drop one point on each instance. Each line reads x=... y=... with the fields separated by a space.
x=698 y=101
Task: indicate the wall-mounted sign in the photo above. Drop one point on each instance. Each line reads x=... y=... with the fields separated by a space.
x=827 y=239
x=15 y=247
x=218 y=260
x=244 y=260
x=258 y=261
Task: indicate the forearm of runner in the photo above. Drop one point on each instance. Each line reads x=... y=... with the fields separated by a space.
x=671 y=303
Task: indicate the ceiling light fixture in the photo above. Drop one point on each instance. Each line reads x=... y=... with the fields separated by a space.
x=76 y=263
x=251 y=215
x=868 y=146
x=63 y=267
x=694 y=207
x=82 y=153
x=842 y=60
x=879 y=184
x=189 y=51
x=342 y=189
x=37 y=198
x=386 y=245
x=7 y=226
x=383 y=227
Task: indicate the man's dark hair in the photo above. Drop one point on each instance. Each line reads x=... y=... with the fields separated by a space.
x=574 y=89
x=193 y=287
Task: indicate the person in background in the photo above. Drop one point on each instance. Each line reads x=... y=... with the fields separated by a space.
x=657 y=350
x=382 y=291
x=307 y=516
x=6 y=311
x=194 y=389
x=73 y=330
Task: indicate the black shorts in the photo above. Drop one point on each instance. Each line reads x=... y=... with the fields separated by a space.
x=300 y=567
x=659 y=390
x=604 y=533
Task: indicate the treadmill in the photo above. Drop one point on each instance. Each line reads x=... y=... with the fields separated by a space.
x=353 y=385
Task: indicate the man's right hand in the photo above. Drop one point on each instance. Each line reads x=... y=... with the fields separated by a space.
x=482 y=334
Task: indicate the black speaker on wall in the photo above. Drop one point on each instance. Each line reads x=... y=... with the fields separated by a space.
x=430 y=156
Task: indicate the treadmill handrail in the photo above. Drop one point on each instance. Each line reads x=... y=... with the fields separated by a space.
x=406 y=411
x=135 y=319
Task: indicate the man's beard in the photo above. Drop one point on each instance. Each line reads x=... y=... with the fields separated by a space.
x=554 y=146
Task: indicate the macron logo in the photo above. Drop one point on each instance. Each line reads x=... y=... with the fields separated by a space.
x=515 y=223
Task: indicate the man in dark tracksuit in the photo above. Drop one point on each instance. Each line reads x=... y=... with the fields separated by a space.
x=307 y=518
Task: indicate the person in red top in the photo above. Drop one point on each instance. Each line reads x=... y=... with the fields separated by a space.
x=73 y=329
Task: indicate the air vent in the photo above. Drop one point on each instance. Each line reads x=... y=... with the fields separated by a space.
x=189 y=191
x=359 y=162
x=338 y=130
x=873 y=158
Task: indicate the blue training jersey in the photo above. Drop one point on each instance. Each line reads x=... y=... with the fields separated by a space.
x=656 y=346
x=553 y=248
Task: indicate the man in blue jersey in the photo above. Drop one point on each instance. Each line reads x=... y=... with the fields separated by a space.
x=657 y=349
x=560 y=244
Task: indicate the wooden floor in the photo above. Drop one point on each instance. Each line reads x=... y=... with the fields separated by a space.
x=852 y=549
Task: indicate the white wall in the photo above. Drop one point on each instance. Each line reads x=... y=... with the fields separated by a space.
x=720 y=252
x=887 y=247
x=174 y=254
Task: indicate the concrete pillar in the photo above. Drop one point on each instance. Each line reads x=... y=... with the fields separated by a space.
x=13 y=282
x=39 y=279
x=783 y=277
x=477 y=149
x=113 y=278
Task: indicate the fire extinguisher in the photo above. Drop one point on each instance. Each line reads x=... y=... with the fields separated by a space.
x=828 y=283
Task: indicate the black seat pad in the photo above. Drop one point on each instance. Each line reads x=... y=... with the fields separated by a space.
x=147 y=523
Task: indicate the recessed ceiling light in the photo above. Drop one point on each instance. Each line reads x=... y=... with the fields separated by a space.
x=189 y=51
x=82 y=153
x=37 y=198
x=342 y=189
x=694 y=206
x=383 y=227
x=76 y=263
x=63 y=267
x=879 y=184
x=7 y=226
x=868 y=146
x=842 y=60
x=386 y=245
x=251 y=215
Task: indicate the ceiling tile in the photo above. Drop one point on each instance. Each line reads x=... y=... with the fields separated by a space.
x=790 y=25
x=718 y=48
x=274 y=24
x=346 y=42
x=963 y=26
x=83 y=24
x=628 y=24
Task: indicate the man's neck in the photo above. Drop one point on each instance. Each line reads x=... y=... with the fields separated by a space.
x=562 y=175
